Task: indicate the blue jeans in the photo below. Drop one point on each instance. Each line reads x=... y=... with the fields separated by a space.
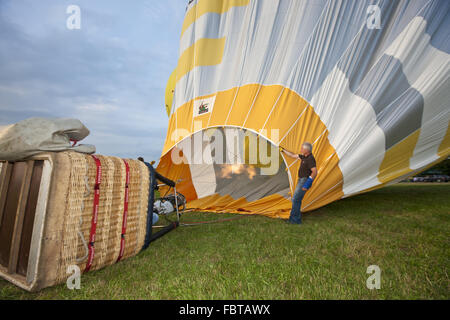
x=155 y=218
x=296 y=215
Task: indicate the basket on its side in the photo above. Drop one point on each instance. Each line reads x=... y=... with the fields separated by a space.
x=47 y=215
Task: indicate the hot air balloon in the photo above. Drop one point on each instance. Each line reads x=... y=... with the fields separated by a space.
x=365 y=82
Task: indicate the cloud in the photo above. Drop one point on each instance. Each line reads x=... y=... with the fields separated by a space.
x=110 y=74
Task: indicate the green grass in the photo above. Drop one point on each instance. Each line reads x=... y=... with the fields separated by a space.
x=404 y=229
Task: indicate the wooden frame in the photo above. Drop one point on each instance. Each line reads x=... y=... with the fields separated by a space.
x=29 y=254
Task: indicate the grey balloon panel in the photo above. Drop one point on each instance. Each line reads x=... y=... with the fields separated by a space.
x=402 y=117
x=336 y=29
x=437 y=15
x=397 y=105
x=379 y=79
x=369 y=44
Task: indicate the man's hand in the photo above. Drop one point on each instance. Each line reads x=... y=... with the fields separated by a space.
x=307 y=184
x=288 y=153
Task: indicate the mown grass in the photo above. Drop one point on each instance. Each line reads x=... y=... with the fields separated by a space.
x=404 y=229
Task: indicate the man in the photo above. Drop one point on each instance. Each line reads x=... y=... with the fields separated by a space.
x=306 y=174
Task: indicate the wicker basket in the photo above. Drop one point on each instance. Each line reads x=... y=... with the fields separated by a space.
x=46 y=213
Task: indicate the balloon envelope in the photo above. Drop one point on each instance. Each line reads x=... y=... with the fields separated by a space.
x=365 y=82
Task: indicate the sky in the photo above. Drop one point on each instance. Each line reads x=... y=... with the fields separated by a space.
x=110 y=74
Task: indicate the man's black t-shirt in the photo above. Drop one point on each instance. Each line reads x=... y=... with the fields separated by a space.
x=307 y=164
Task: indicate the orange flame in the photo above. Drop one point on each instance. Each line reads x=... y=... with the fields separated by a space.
x=229 y=170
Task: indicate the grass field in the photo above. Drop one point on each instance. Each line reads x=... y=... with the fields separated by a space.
x=404 y=229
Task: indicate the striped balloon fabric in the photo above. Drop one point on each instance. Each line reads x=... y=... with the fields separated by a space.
x=366 y=82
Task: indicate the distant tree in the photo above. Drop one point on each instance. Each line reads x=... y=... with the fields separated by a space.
x=441 y=168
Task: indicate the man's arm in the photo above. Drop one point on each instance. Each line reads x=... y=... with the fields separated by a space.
x=313 y=172
x=290 y=154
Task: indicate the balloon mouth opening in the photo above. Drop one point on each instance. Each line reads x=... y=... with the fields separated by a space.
x=233 y=162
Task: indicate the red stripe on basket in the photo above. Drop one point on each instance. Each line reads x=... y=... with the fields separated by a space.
x=125 y=212
x=98 y=180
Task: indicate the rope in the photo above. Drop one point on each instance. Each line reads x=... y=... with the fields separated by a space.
x=80 y=234
x=94 y=213
x=125 y=211
x=74 y=142
x=210 y=222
